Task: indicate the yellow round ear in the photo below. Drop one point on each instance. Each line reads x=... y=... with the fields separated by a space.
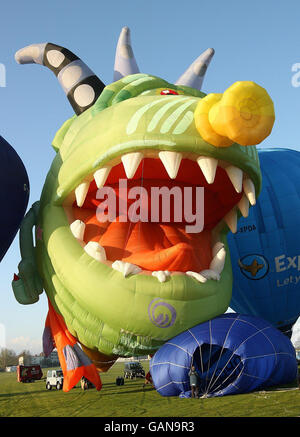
x=203 y=125
x=243 y=114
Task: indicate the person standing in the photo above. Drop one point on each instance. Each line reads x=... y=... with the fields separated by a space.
x=148 y=380
x=194 y=382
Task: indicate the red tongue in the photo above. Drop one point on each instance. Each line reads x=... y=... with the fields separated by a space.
x=159 y=247
x=151 y=246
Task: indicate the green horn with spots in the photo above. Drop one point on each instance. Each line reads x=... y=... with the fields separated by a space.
x=125 y=286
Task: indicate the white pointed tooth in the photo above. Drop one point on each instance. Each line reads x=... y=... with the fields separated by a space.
x=131 y=161
x=131 y=268
x=208 y=167
x=171 y=162
x=161 y=275
x=210 y=274
x=197 y=276
x=231 y=220
x=243 y=206
x=81 y=192
x=125 y=268
x=77 y=229
x=101 y=175
x=96 y=251
x=117 y=265
x=216 y=247
x=249 y=190
x=235 y=174
x=218 y=261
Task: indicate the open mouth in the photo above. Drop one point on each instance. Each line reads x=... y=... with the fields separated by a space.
x=155 y=242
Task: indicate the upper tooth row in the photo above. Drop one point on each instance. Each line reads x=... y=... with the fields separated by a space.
x=171 y=162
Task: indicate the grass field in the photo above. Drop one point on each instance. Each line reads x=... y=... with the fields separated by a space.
x=131 y=400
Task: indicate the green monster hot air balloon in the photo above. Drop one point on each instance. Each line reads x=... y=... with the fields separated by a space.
x=122 y=273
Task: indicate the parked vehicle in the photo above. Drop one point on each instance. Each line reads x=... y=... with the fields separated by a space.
x=134 y=369
x=29 y=373
x=55 y=378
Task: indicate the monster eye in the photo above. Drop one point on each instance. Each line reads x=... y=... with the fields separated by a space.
x=168 y=92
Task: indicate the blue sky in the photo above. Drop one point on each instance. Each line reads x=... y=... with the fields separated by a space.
x=257 y=40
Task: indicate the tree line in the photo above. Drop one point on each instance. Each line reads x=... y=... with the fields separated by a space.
x=8 y=357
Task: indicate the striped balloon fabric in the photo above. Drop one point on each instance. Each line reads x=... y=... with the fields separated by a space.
x=232 y=354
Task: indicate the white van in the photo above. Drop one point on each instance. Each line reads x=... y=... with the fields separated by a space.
x=55 y=378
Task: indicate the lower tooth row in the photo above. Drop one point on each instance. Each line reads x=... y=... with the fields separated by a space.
x=210 y=274
x=92 y=248
x=77 y=229
x=126 y=268
x=216 y=266
x=97 y=252
x=204 y=275
x=197 y=276
x=161 y=275
x=218 y=261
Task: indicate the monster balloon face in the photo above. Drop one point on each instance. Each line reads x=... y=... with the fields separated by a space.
x=126 y=285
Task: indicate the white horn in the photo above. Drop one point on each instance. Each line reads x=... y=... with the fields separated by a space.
x=194 y=75
x=81 y=86
x=125 y=62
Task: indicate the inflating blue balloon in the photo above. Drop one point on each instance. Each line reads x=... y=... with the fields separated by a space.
x=232 y=354
x=14 y=194
x=265 y=251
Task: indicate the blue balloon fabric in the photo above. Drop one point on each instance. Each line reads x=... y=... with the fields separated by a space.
x=232 y=354
x=265 y=251
x=14 y=194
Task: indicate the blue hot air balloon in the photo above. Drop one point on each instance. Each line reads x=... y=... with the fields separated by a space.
x=265 y=251
x=232 y=354
x=14 y=194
